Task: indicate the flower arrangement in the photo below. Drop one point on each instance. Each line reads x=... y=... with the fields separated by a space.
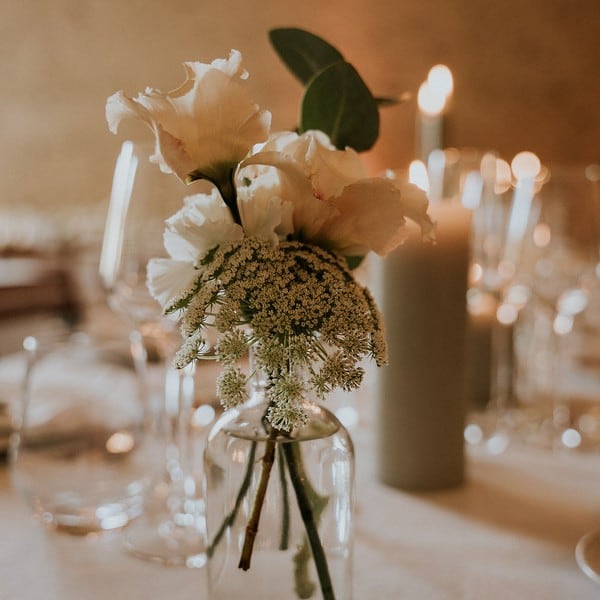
x=265 y=257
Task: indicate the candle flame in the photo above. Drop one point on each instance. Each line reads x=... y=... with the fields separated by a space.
x=417 y=175
x=440 y=79
x=431 y=100
x=525 y=165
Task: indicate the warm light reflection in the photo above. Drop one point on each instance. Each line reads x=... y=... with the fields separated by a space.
x=503 y=176
x=506 y=269
x=431 y=102
x=472 y=190
x=440 y=79
x=507 y=314
x=571 y=438
x=473 y=434
x=238 y=456
x=203 y=416
x=563 y=324
x=475 y=274
x=525 y=165
x=572 y=302
x=542 y=235
x=480 y=304
x=120 y=442
x=498 y=443
x=30 y=344
x=417 y=175
x=518 y=295
x=592 y=172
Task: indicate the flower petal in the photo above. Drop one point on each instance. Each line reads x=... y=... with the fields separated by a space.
x=372 y=216
x=309 y=212
x=203 y=223
x=205 y=126
x=168 y=280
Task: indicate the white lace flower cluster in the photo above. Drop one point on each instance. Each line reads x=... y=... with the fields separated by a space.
x=298 y=306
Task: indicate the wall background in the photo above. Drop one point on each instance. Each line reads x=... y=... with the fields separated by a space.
x=526 y=75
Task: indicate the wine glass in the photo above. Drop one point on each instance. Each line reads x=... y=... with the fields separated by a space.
x=560 y=264
x=81 y=453
x=587 y=551
x=501 y=196
x=171 y=528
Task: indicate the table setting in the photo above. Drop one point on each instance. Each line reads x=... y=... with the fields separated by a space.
x=292 y=378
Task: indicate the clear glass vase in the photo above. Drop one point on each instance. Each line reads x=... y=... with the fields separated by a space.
x=279 y=507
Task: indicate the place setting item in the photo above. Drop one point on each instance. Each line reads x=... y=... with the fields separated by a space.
x=170 y=530
x=81 y=453
x=557 y=352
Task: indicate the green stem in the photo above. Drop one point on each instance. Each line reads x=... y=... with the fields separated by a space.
x=299 y=483
x=230 y=518
x=252 y=525
x=285 y=515
x=229 y=194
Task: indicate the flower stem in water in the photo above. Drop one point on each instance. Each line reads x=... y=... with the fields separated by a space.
x=230 y=518
x=301 y=488
x=252 y=525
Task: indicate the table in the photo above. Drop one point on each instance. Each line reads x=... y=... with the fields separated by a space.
x=509 y=532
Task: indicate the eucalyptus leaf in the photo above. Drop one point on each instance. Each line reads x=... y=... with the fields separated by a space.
x=386 y=101
x=304 y=53
x=338 y=102
x=353 y=262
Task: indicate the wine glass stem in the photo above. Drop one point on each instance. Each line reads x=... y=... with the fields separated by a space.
x=501 y=368
x=179 y=395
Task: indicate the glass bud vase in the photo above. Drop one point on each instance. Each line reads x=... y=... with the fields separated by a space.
x=279 y=506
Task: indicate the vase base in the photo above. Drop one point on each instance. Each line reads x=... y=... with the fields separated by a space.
x=166 y=542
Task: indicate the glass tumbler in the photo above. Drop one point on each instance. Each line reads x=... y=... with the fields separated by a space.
x=81 y=454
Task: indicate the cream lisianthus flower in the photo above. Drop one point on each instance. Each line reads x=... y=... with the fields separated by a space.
x=203 y=223
x=204 y=128
x=335 y=204
x=263 y=212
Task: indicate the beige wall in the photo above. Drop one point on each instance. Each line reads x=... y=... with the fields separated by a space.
x=527 y=74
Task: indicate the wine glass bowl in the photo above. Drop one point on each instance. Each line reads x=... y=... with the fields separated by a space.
x=82 y=454
x=555 y=335
x=142 y=198
x=171 y=529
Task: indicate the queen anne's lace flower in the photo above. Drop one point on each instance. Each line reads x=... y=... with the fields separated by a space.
x=305 y=314
x=231 y=386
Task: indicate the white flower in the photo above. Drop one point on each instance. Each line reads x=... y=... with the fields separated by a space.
x=204 y=127
x=203 y=223
x=263 y=212
x=335 y=204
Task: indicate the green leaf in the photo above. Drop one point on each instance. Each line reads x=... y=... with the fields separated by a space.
x=338 y=102
x=304 y=53
x=353 y=262
x=385 y=101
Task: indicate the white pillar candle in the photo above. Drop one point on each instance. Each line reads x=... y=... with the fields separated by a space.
x=481 y=323
x=421 y=396
x=433 y=101
x=429 y=121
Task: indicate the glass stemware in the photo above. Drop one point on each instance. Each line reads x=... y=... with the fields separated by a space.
x=82 y=454
x=501 y=196
x=559 y=266
x=171 y=528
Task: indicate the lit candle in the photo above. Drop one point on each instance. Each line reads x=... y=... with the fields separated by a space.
x=433 y=99
x=482 y=317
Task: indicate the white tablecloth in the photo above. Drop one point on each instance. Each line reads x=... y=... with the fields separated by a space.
x=509 y=532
